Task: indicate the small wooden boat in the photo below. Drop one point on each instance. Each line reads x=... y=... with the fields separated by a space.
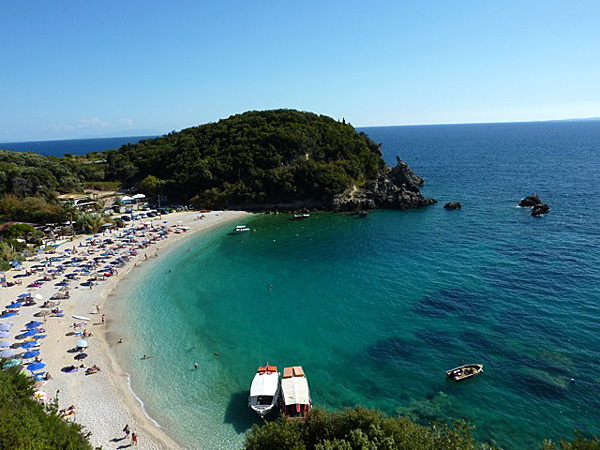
x=463 y=372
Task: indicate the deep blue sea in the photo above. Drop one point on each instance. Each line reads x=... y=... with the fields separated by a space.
x=376 y=309
x=71 y=146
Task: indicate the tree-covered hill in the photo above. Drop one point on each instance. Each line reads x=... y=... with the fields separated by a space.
x=252 y=159
x=30 y=174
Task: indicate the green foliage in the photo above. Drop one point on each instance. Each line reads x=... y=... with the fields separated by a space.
x=33 y=175
x=27 y=425
x=18 y=230
x=357 y=428
x=29 y=209
x=90 y=223
x=579 y=443
x=252 y=158
x=102 y=185
x=151 y=185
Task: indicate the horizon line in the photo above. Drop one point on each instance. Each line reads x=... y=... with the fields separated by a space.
x=573 y=119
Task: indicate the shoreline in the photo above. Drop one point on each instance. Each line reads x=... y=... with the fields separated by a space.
x=104 y=401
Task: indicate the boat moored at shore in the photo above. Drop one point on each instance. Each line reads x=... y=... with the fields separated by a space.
x=295 y=395
x=264 y=391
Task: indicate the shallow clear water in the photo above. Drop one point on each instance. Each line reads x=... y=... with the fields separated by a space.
x=376 y=309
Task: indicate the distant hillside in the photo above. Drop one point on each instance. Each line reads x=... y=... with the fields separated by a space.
x=260 y=159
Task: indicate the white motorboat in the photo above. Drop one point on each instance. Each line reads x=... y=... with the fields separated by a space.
x=264 y=391
x=301 y=216
x=240 y=228
x=295 y=395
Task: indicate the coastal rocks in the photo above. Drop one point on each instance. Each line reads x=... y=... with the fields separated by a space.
x=453 y=205
x=540 y=209
x=533 y=201
x=530 y=200
x=395 y=188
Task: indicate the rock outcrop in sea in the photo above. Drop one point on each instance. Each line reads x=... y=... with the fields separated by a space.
x=395 y=188
x=453 y=205
x=533 y=201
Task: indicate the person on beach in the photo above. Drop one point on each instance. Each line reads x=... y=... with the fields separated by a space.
x=103 y=318
x=127 y=430
x=134 y=438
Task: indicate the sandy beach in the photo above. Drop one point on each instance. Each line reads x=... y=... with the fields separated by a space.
x=103 y=401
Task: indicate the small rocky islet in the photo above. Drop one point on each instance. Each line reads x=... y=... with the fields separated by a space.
x=533 y=201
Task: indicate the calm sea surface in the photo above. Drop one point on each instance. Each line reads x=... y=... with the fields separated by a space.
x=376 y=309
x=71 y=146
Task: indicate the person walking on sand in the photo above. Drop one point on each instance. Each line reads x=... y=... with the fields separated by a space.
x=127 y=430
x=103 y=318
x=134 y=438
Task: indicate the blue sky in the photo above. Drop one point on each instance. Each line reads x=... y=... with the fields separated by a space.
x=76 y=69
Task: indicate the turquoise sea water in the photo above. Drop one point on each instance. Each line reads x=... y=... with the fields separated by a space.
x=376 y=309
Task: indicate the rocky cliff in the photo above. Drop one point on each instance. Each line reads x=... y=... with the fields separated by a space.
x=395 y=188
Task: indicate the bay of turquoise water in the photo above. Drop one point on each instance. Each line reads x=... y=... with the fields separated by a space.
x=376 y=309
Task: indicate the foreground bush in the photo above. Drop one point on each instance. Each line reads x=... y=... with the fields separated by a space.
x=357 y=428
x=27 y=425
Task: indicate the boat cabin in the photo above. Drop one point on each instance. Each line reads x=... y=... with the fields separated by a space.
x=296 y=403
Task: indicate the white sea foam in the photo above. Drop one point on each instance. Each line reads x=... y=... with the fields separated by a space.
x=139 y=400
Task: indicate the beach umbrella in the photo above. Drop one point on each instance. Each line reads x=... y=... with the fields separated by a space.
x=7 y=353
x=29 y=344
x=6 y=326
x=36 y=366
x=39 y=296
x=15 y=305
x=7 y=314
x=81 y=356
x=42 y=313
x=11 y=363
x=31 y=325
x=5 y=343
x=30 y=354
x=82 y=343
x=4 y=334
x=27 y=334
x=25 y=295
x=39 y=336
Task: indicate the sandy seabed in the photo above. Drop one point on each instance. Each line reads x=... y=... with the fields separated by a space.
x=103 y=401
